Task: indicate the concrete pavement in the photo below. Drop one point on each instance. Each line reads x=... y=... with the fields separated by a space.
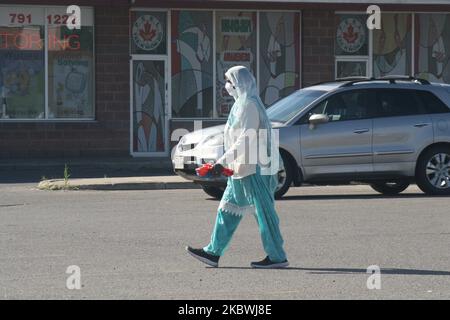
x=130 y=245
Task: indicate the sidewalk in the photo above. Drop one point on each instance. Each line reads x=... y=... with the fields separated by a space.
x=119 y=183
x=115 y=173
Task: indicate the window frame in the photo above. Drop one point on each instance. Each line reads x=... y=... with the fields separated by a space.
x=305 y=117
x=403 y=90
x=420 y=94
x=46 y=70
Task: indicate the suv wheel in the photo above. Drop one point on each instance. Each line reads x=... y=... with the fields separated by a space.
x=215 y=192
x=390 y=188
x=433 y=171
x=284 y=177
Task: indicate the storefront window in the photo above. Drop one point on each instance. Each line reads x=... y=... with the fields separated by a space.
x=192 y=64
x=70 y=72
x=235 y=45
x=23 y=47
x=279 y=67
x=432 y=47
x=22 y=64
x=392 y=45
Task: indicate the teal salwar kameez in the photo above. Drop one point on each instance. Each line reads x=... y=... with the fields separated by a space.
x=251 y=194
x=251 y=189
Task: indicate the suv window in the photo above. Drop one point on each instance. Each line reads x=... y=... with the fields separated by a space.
x=398 y=102
x=432 y=103
x=349 y=105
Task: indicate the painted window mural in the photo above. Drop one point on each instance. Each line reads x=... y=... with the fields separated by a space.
x=148 y=105
x=235 y=45
x=279 y=67
x=192 y=64
x=392 y=45
x=148 y=32
x=432 y=47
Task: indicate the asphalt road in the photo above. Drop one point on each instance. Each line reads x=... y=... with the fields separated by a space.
x=130 y=245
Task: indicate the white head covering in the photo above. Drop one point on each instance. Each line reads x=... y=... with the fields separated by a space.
x=243 y=80
x=251 y=114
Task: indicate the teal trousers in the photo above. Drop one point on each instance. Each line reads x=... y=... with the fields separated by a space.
x=254 y=193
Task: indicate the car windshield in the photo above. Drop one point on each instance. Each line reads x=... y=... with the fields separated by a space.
x=284 y=109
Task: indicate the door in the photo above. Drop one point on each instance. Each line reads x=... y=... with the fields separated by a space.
x=401 y=129
x=148 y=82
x=343 y=145
x=149 y=123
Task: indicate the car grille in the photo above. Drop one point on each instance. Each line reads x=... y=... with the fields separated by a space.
x=190 y=146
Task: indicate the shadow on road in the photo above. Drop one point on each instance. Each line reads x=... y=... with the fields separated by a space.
x=356 y=196
x=392 y=271
x=350 y=197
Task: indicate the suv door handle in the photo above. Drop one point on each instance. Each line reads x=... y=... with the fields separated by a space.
x=421 y=125
x=359 y=131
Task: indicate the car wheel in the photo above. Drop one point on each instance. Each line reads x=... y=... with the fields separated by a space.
x=215 y=192
x=390 y=188
x=284 y=177
x=433 y=171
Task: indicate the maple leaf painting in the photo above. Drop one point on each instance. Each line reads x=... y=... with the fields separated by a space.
x=350 y=36
x=147 y=32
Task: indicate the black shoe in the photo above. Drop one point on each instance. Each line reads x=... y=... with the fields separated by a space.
x=268 y=264
x=204 y=257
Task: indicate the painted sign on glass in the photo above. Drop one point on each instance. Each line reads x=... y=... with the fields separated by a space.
x=236 y=45
x=351 y=35
x=148 y=32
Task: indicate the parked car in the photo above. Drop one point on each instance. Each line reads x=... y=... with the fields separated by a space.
x=387 y=132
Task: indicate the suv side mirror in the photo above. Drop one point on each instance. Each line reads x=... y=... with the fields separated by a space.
x=316 y=119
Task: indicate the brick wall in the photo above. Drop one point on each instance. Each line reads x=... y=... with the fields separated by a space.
x=318 y=33
x=109 y=134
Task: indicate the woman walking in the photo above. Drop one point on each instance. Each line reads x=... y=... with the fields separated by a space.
x=248 y=134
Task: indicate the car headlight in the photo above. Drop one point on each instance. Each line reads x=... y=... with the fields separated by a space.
x=214 y=141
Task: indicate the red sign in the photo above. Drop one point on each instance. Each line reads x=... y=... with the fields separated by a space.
x=26 y=39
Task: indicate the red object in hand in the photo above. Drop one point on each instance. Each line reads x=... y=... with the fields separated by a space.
x=227 y=172
x=206 y=170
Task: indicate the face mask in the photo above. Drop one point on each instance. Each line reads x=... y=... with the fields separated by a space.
x=231 y=90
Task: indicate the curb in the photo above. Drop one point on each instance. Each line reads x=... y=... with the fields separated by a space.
x=108 y=186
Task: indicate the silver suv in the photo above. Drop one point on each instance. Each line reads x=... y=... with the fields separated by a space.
x=387 y=132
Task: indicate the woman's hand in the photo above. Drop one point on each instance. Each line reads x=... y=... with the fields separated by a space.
x=217 y=169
